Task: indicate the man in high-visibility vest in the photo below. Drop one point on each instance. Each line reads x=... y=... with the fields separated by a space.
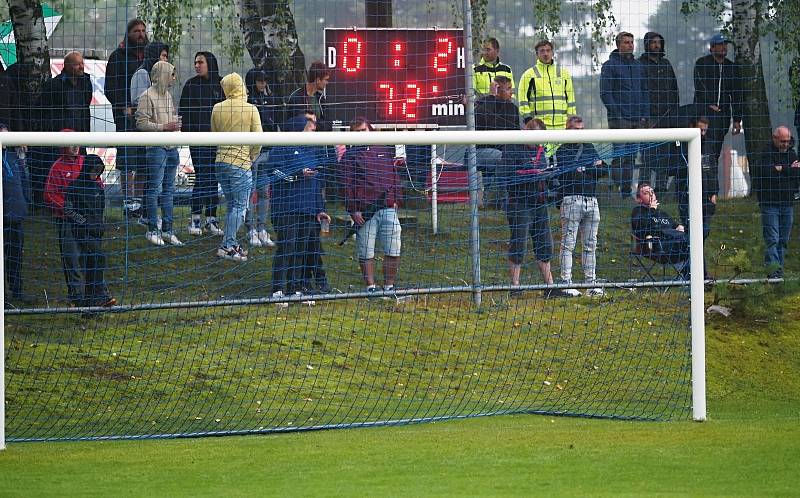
x=546 y=91
x=489 y=67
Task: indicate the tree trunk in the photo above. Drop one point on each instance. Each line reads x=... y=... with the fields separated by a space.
x=270 y=36
x=33 y=55
x=746 y=24
x=378 y=13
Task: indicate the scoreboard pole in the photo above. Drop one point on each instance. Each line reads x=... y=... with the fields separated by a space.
x=469 y=97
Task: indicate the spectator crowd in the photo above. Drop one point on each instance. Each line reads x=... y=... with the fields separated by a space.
x=286 y=185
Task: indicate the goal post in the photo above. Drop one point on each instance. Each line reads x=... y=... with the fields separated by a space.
x=688 y=135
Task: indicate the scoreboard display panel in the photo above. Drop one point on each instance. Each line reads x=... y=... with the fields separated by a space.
x=402 y=77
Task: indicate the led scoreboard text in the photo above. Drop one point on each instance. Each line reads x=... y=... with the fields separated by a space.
x=396 y=76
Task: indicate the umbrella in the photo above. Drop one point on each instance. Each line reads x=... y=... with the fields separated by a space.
x=8 y=46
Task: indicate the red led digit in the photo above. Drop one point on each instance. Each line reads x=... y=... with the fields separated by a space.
x=352 y=52
x=388 y=91
x=413 y=92
x=435 y=89
x=444 y=49
x=398 y=51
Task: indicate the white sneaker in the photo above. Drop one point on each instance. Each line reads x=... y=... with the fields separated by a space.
x=194 y=226
x=170 y=238
x=570 y=292
x=266 y=240
x=154 y=238
x=279 y=294
x=254 y=239
x=597 y=291
x=307 y=302
x=212 y=226
x=232 y=254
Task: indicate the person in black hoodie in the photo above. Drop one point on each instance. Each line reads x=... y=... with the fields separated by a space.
x=84 y=205
x=198 y=98
x=662 y=86
x=269 y=107
x=718 y=90
x=775 y=174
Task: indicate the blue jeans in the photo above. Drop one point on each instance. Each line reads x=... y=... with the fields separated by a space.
x=161 y=167
x=236 y=184
x=776 y=223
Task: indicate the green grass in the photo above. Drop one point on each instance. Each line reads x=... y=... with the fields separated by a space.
x=750 y=446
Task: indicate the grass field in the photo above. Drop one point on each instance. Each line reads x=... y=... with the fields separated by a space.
x=750 y=446
x=225 y=368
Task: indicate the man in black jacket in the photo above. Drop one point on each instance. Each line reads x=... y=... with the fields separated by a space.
x=666 y=241
x=662 y=86
x=718 y=90
x=776 y=173
x=311 y=96
x=495 y=111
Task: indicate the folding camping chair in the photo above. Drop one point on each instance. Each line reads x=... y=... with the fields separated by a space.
x=648 y=255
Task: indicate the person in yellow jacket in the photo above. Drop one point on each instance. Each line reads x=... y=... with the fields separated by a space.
x=546 y=91
x=234 y=162
x=489 y=67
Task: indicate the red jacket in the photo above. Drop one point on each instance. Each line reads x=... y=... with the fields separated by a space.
x=369 y=173
x=64 y=171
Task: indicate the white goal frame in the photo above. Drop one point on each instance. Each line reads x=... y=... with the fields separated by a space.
x=689 y=135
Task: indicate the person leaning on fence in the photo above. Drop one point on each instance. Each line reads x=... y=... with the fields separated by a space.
x=122 y=63
x=234 y=114
x=623 y=89
x=489 y=68
x=718 y=90
x=65 y=170
x=665 y=240
x=775 y=174
x=269 y=105
x=16 y=197
x=84 y=205
x=199 y=96
x=298 y=208
x=372 y=196
x=156 y=112
x=546 y=91
x=495 y=111
x=523 y=169
x=580 y=212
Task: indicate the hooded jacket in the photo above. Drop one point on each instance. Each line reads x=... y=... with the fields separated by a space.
x=623 y=88
x=64 y=171
x=86 y=200
x=269 y=106
x=122 y=64
x=718 y=84
x=235 y=114
x=662 y=84
x=199 y=96
x=140 y=81
x=156 y=107
x=293 y=192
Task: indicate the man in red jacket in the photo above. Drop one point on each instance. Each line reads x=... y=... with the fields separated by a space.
x=64 y=172
x=372 y=192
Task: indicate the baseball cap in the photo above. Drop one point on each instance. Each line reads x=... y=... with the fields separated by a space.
x=718 y=39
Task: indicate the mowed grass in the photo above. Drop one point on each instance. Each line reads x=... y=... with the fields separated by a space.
x=750 y=446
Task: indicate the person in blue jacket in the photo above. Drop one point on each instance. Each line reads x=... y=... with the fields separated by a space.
x=298 y=208
x=624 y=92
x=16 y=197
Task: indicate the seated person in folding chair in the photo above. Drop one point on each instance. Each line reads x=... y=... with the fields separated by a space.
x=658 y=237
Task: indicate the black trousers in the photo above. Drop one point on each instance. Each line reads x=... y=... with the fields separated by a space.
x=13 y=241
x=298 y=255
x=205 y=188
x=95 y=291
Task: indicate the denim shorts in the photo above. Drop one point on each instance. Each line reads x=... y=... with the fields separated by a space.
x=384 y=226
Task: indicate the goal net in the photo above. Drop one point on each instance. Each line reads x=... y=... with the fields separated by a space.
x=476 y=281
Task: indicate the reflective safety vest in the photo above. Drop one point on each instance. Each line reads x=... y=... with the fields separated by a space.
x=484 y=73
x=546 y=92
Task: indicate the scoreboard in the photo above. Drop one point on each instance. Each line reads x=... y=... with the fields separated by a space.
x=403 y=77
